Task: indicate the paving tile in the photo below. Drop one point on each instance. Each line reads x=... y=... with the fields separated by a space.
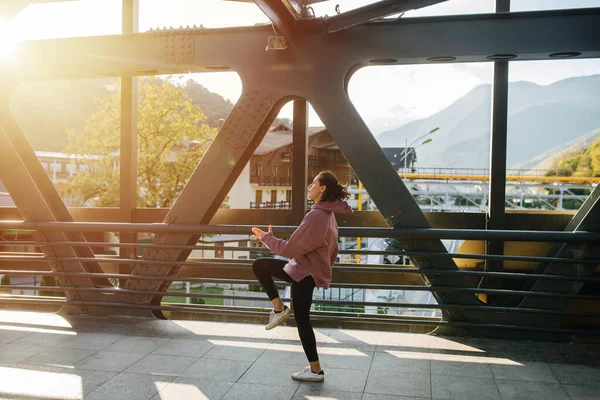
x=531 y=372
x=345 y=380
x=266 y=373
x=456 y=345
x=44 y=339
x=318 y=393
x=14 y=353
x=185 y=348
x=285 y=354
x=58 y=356
x=109 y=361
x=216 y=370
x=398 y=383
x=9 y=335
x=361 y=340
x=24 y=383
x=157 y=364
x=193 y=389
x=581 y=392
x=126 y=386
x=87 y=379
x=90 y=341
x=577 y=374
x=371 y=396
x=246 y=391
x=457 y=368
x=518 y=390
x=237 y=351
x=573 y=353
x=397 y=361
x=399 y=341
x=349 y=358
x=137 y=344
x=463 y=388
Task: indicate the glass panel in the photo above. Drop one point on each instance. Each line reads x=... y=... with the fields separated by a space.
x=432 y=122
x=208 y=13
x=328 y=8
x=553 y=132
x=67 y=19
x=533 y=5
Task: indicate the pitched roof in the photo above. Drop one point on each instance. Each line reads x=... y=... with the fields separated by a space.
x=281 y=136
x=395 y=156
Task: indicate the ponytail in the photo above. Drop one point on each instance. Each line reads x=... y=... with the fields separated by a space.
x=334 y=190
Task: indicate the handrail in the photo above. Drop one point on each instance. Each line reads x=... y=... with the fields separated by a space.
x=404 y=233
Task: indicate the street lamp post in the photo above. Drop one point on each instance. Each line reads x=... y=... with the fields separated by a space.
x=434 y=130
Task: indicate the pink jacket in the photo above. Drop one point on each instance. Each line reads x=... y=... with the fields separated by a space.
x=313 y=247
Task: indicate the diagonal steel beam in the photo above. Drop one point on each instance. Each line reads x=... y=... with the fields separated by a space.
x=387 y=190
x=280 y=15
x=374 y=11
x=208 y=186
x=32 y=207
x=586 y=219
x=44 y=185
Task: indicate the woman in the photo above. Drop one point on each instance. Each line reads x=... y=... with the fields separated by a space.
x=312 y=250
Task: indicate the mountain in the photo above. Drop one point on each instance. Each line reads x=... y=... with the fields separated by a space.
x=549 y=159
x=46 y=110
x=540 y=118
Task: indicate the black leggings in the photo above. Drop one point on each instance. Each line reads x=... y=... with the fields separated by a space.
x=267 y=268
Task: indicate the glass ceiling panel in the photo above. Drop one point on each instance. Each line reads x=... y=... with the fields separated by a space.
x=330 y=8
x=208 y=13
x=536 y=5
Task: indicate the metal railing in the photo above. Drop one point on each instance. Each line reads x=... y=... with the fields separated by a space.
x=274 y=205
x=271 y=180
x=353 y=276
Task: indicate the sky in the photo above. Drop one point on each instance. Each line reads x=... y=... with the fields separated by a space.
x=386 y=97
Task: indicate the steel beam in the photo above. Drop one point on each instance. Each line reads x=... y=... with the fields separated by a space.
x=587 y=219
x=387 y=190
x=208 y=186
x=374 y=11
x=44 y=186
x=279 y=14
x=468 y=38
x=299 y=160
x=498 y=140
x=128 y=146
x=24 y=192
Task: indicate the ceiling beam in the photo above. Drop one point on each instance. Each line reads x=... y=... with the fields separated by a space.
x=374 y=11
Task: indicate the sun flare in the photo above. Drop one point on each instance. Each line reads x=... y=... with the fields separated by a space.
x=8 y=44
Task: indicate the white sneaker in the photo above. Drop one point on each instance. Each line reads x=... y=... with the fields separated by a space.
x=277 y=318
x=306 y=375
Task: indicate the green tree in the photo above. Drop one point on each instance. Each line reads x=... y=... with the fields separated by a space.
x=583 y=162
x=172 y=138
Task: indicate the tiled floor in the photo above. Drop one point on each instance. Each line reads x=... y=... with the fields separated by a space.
x=45 y=356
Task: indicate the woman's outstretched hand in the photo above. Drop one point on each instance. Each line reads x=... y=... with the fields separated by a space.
x=259 y=233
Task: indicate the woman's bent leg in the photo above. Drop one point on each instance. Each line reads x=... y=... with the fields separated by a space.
x=265 y=269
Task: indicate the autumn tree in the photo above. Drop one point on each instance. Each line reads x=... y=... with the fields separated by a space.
x=172 y=138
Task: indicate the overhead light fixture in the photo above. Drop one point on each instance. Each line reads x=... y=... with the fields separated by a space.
x=565 y=54
x=441 y=59
x=501 y=57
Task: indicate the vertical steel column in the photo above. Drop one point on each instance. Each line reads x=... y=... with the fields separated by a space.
x=128 y=155
x=299 y=160
x=496 y=208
